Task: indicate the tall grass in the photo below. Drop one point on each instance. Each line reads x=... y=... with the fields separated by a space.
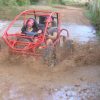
x=94 y=10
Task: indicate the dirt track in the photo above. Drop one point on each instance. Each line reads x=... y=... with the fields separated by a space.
x=74 y=15
x=25 y=78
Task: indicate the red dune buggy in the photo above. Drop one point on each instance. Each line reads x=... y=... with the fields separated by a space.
x=23 y=44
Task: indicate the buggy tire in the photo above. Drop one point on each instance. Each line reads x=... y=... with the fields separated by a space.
x=49 y=56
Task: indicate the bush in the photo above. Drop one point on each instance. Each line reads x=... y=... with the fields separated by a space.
x=23 y=2
x=8 y=2
x=34 y=2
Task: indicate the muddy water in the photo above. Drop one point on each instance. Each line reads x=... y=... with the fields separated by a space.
x=80 y=33
x=3 y=26
x=78 y=92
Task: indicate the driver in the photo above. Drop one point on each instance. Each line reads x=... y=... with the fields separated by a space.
x=31 y=28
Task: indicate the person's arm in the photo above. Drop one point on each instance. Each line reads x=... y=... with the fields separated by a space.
x=54 y=36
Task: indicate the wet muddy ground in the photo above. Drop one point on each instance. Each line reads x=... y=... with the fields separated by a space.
x=31 y=80
x=76 y=77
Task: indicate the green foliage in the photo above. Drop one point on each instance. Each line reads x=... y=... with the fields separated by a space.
x=95 y=7
x=23 y=2
x=27 y=2
x=94 y=13
x=14 y=2
x=34 y=2
x=8 y=2
x=69 y=1
x=98 y=33
x=1 y=2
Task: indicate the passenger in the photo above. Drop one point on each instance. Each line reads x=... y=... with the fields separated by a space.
x=51 y=31
x=31 y=28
